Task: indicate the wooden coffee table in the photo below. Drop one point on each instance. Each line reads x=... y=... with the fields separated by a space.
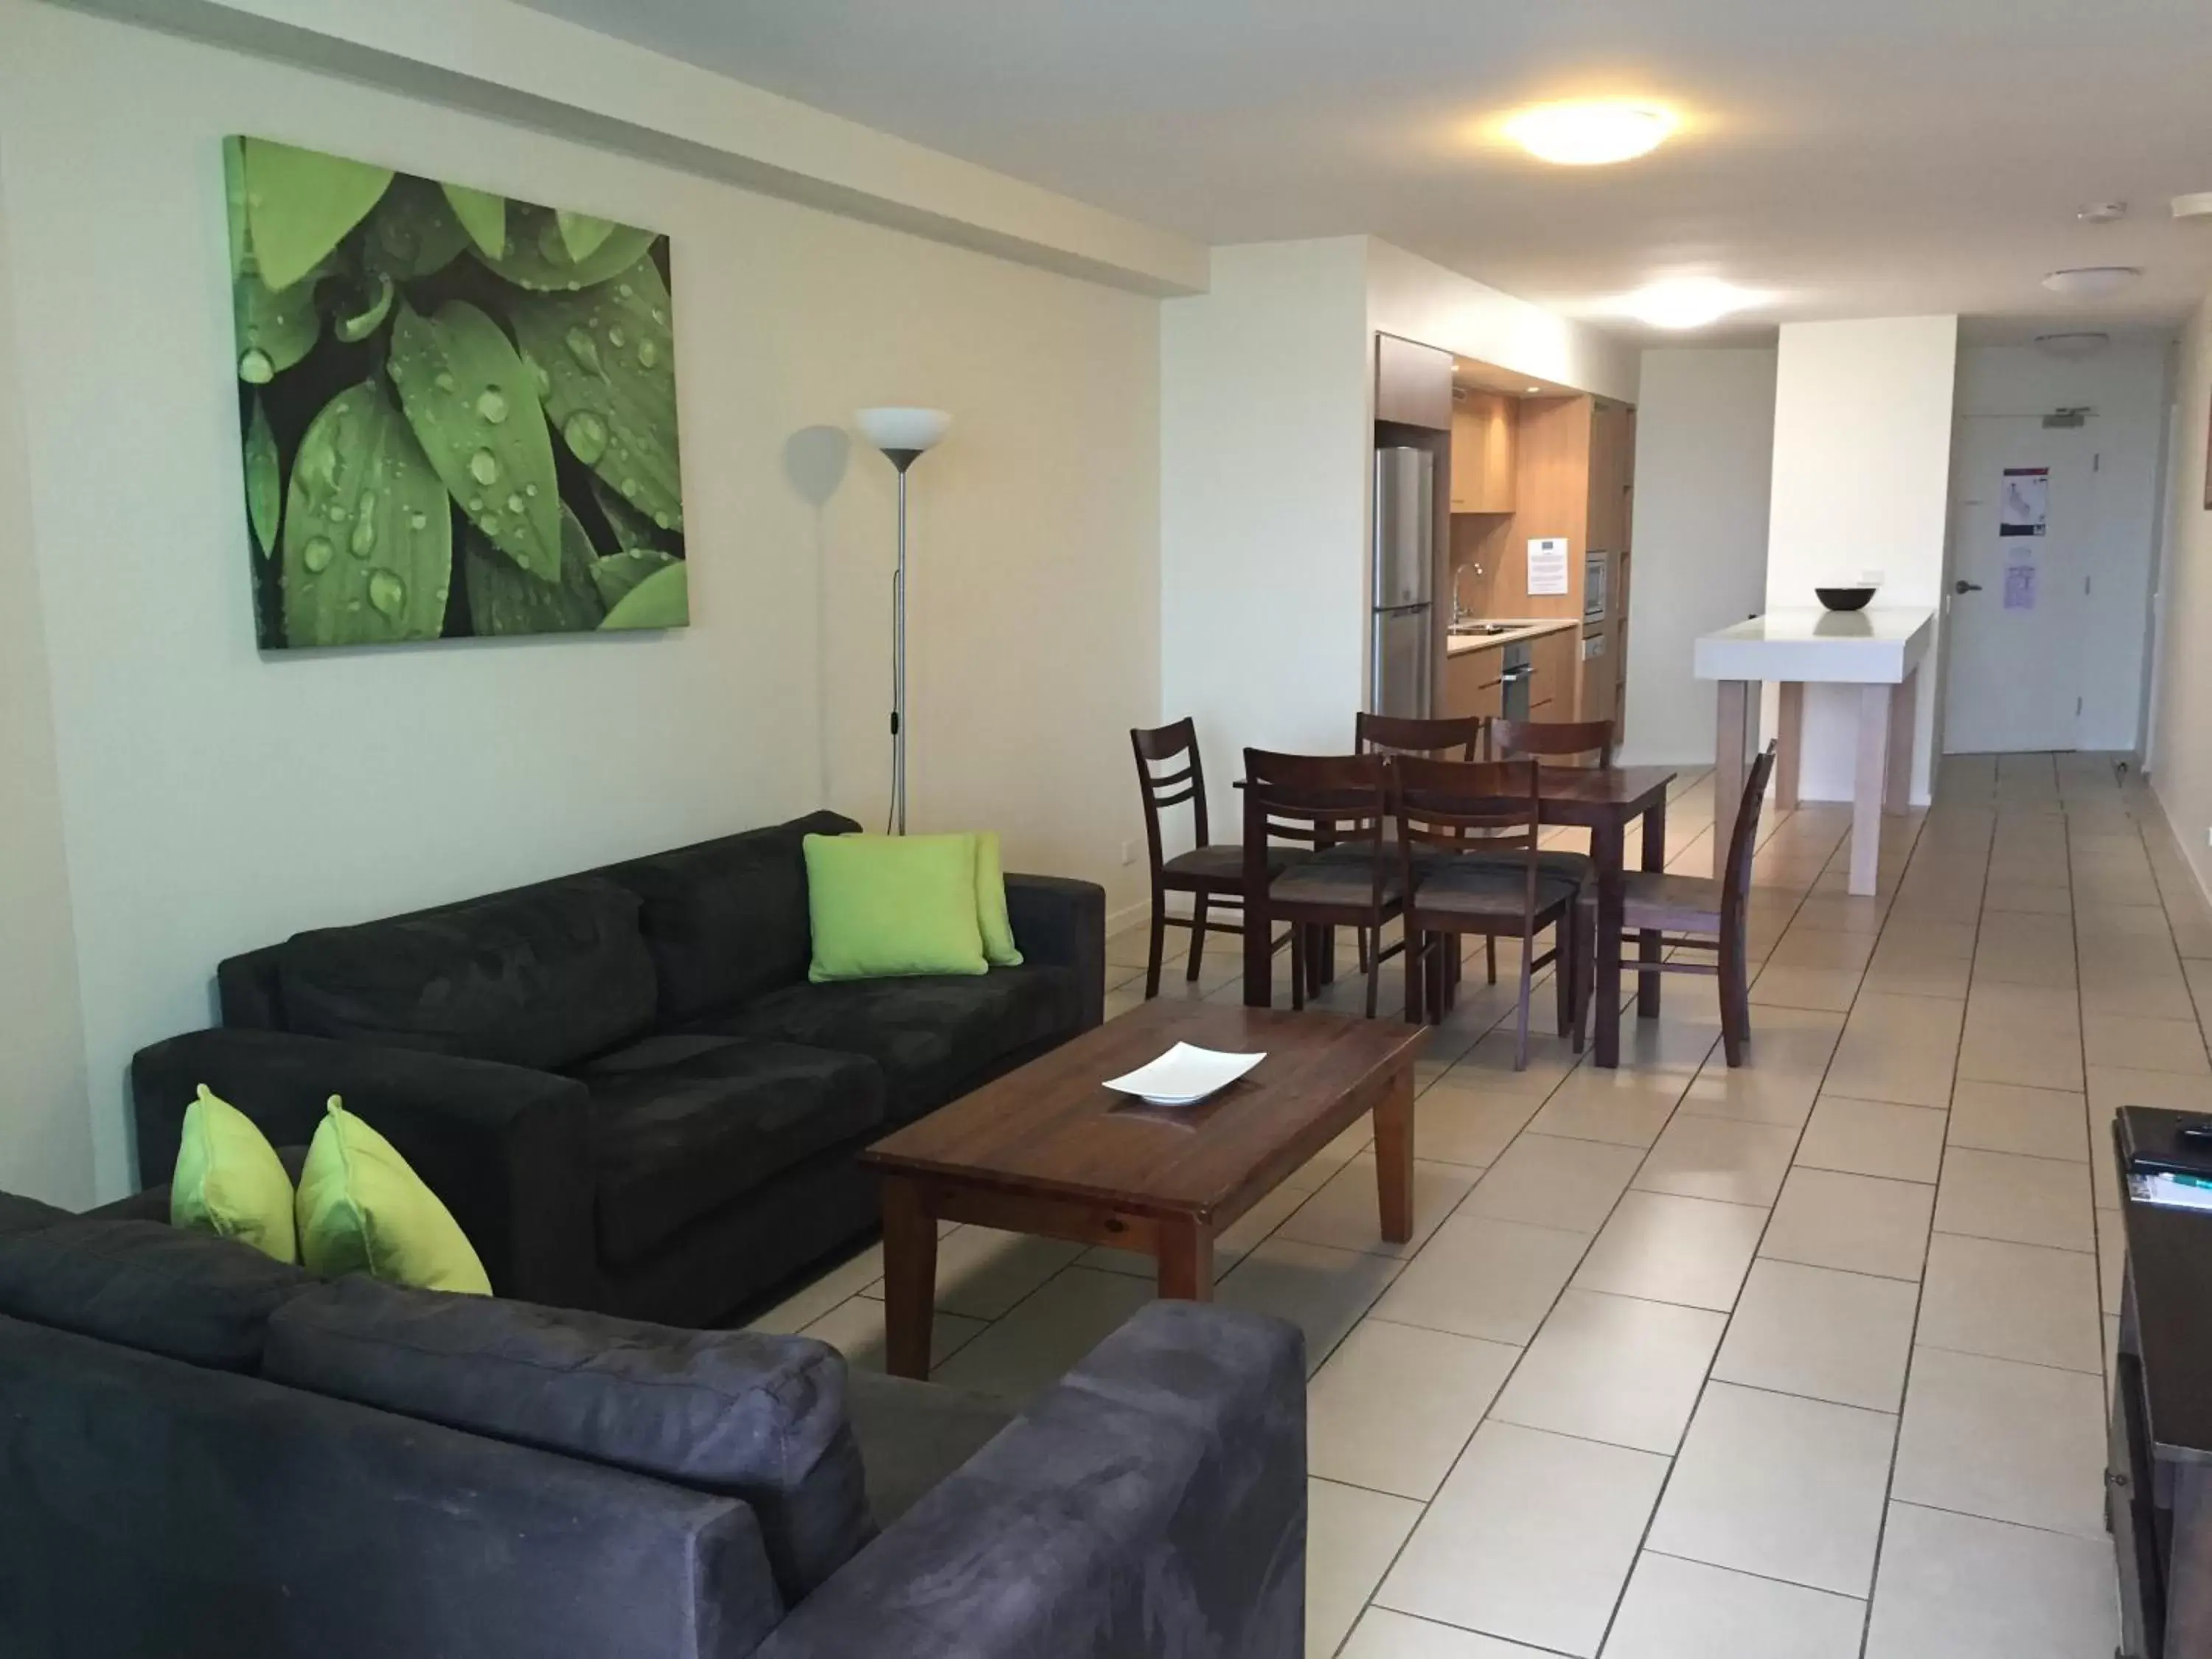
x=1048 y=1149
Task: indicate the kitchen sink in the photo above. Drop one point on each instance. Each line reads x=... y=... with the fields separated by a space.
x=1485 y=629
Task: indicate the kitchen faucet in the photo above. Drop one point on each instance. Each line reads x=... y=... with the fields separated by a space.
x=1460 y=612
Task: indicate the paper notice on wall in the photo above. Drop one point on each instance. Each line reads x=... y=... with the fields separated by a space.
x=2024 y=507
x=1548 y=565
x=2019 y=588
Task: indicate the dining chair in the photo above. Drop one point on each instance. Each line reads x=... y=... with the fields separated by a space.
x=1332 y=808
x=1484 y=817
x=1211 y=873
x=1589 y=742
x=1696 y=912
x=1451 y=737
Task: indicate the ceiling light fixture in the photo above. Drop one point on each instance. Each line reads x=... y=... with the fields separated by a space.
x=1686 y=302
x=1533 y=390
x=2091 y=282
x=1592 y=133
x=2197 y=205
x=2102 y=213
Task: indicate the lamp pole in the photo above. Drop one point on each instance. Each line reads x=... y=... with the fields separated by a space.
x=903 y=434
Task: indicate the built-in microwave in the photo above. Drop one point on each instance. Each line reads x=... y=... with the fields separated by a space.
x=1597 y=587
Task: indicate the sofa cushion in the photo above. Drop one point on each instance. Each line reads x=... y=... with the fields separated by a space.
x=754 y=1417
x=912 y=1435
x=726 y=919
x=684 y=1125
x=22 y=1215
x=935 y=1037
x=540 y=977
x=145 y=1284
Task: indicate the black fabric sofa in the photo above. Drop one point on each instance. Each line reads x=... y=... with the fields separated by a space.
x=621 y=1083
x=204 y=1454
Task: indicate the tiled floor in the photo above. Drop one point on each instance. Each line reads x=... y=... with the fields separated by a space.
x=1802 y=1361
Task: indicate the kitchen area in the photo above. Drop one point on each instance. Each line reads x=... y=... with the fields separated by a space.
x=1501 y=560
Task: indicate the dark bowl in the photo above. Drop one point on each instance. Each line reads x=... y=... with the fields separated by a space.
x=1845 y=599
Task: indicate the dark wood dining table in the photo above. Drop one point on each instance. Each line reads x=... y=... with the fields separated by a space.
x=1604 y=800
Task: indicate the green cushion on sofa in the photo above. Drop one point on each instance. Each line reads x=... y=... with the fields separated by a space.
x=362 y=1209
x=229 y=1180
x=885 y=906
x=991 y=903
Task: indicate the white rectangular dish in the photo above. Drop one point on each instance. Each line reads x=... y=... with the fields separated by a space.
x=1183 y=1076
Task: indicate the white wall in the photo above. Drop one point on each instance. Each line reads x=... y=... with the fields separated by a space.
x=2181 y=772
x=1861 y=476
x=1412 y=297
x=45 y=1137
x=214 y=800
x=1266 y=440
x=1705 y=457
x=2126 y=388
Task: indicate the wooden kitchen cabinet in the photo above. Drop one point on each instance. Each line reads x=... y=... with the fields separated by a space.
x=1482 y=452
x=1612 y=473
x=1413 y=383
x=1552 y=688
x=1472 y=684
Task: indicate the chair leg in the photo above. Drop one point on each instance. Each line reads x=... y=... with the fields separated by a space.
x=1197 y=936
x=1374 y=972
x=1585 y=975
x=1490 y=956
x=1297 y=965
x=1565 y=973
x=1735 y=1001
x=1159 y=943
x=1521 y=1037
x=1416 y=963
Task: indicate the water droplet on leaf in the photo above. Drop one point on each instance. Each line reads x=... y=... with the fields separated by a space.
x=588 y=436
x=663 y=520
x=616 y=338
x=256 y=367
x=515 y=504
x=442 y=380
x=648 y=354
x=580 y=347
x=386 y=591
x=418 y=521
x=364 y=537
x=483 y=467
x=629 y=488
x=318 y=553
x=491 y=404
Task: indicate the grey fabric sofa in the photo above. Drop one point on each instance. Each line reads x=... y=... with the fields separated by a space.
x=203 y=1453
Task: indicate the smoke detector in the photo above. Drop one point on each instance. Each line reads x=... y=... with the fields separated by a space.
x=2196 y=206
x=2101 y=213
x=2091 y=282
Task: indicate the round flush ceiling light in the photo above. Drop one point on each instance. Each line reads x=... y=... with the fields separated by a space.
x=1591 y=133
x=2091 y=282
x=1686 y=302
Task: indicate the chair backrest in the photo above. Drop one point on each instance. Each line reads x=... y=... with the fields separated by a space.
x=1743 y=841
x=1396 y=734
x=1162 y=746
x=1551 y=740
x=1317 y=799
x=1487 y=806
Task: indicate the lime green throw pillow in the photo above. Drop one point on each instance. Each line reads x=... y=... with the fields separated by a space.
x=229 y=1180
x=363 y=1210
x=991 y=916
x=885 y=906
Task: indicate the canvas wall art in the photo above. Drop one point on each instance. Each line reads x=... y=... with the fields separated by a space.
x=458 y=409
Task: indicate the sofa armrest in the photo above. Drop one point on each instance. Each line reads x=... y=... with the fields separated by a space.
x=1063 y=923
x=1153 y=1502
x=506 y=1149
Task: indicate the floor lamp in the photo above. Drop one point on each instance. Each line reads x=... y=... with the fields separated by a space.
x=903 y=434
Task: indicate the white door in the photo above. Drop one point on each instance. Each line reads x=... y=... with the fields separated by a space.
x=2015 y=600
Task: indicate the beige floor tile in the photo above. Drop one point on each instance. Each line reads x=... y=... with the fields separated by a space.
x=1346 y=1212
x=1692 y=1251
x=2133 y=992
x=2007 y=1442
x=2006 y=1117
x=1897 y=1048
x=1872 y=1138
x=1841 y=1337
x=2028 y=1201
x=841 y=1282
x=1015 y=1359
x=1488 y=1065
x=1322 y=1292
x=1780 y=1486
x=1733 y=1162
x=2149 y=1045
x=1551 y=1182
x=1846 y=915
x=1858 y=1222
x=1678 y=1609
x=1615 y=1368
x=1822 y=947
x=2121 y=921
x=1383 y=1634
x=1957 y=1587
x=1395 y=1404
x=982 y=1272
x=1784 y=987
x=1531 y=1539
x=2022 y=1033
x=1322 y=1168
x=2023 y=1302
x=1790 y=1051
x=1623 y=1107
x=1477 y=1277
x=1455 y=1124
x=1932 y=959
x=2034 y=897
x=1231 y=1247
x=1351 y=1537
x=855 y=1329
x=2016 y=948
x=2111 y=1260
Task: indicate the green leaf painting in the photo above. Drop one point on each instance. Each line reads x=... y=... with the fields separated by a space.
x=476 y=413
x=607 y=358
x=368 y=545
x=457 y=408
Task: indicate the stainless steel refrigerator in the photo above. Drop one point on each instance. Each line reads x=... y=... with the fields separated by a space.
x=1402 y=652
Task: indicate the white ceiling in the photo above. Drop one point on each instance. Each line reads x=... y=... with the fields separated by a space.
x=1860 y=158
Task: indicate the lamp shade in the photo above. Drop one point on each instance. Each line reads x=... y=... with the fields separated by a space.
x=909 y=430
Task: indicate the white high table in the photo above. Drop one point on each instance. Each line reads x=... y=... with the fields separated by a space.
x=1878 y=650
